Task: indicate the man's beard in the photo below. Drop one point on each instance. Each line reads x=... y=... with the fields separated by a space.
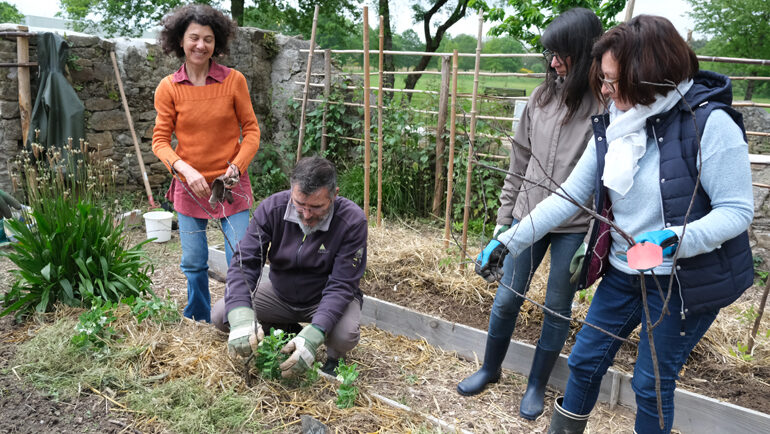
x=307 y=230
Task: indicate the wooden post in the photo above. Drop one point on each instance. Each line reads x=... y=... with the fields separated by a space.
x=629 y=10
x=133 y=133
x=451 y=168
x=438 y=185
x=25 y=96
x=367 y=115
x=472 y=137
x=327 y=92
x=307 y=84
x=379 y=126
x=758 y=319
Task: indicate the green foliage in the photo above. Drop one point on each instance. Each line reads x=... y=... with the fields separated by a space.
x=9 y=13
x=94 y=329
x=69 y=248
x=741 y=351
x=761 y=275
x=269 y=357
x=525 y=20
x=72 y=62
x=347 y=392
x=159 y=310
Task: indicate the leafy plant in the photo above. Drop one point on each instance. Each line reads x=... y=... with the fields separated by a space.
x=741 y=352
x=93 y=329
x=69 y=248
x=269 y=357
x=160 y=310
x=347 y=392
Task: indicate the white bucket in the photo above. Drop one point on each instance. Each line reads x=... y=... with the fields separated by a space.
x=158 y=225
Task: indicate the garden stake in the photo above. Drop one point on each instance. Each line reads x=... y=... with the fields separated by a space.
x=133 y=133
x=758 y=319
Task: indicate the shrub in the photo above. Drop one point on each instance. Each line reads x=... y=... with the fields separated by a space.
x=71 y=250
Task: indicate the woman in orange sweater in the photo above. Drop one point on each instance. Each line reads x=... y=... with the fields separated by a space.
x=208 y=107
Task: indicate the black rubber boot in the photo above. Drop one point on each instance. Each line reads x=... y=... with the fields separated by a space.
x=490 y=371
x=532 y=403
x=330 y=365
x=564 y=422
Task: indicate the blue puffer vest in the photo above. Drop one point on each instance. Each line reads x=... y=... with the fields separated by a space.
x=708 y=281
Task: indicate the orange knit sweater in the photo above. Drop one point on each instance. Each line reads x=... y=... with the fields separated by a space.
x=208 y=121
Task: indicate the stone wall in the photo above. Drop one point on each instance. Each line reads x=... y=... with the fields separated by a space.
x=271 y=64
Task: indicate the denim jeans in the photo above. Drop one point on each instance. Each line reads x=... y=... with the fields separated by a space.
x=517 y=274
x=195 y=256
x=617 y=307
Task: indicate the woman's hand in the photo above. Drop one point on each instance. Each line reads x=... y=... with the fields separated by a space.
x=194 y=179
x=231 y=176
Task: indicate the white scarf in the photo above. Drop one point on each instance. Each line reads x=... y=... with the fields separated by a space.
x=627 y=138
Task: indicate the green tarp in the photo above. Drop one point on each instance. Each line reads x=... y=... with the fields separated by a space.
x=58 y=112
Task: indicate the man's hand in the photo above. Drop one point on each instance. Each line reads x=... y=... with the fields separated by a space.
x=302 y=349
x=576 y=263
x=499 y=229
x=6 y=203
x=243 y=339
x=666 y=239
x=489 y=263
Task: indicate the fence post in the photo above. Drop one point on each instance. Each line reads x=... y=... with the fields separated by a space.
x=472 y=138
x=438 y=186
x=307 y=84
x=367 y=115
x=451 y=168
x=379 y=127
x=327 y=92
x=25 y=95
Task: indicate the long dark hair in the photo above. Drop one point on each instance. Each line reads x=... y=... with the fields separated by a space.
x=571 y=34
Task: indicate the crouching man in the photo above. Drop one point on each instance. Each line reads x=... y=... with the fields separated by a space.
x=315 y=241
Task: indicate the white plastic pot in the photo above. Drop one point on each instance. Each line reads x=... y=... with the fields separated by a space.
x=158 y=225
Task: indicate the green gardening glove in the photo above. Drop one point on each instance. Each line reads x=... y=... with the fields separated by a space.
x=243 y=338
x=302 y=349
x=6 y=203
x=576 y=263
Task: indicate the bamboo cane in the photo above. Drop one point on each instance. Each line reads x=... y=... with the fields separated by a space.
x=472 y=137
x=758 y=319
x=451 y=167
x=327 y=92
x=133 y=133
x=438 y=184
x=367 y=114
x=379 y=126
x=307 y=82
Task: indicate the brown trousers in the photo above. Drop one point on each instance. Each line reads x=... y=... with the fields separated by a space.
x=272 y=310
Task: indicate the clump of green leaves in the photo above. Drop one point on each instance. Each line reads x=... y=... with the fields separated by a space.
x=269 y=357
x=69 y=248
x=347 y=392
x=160 y=310
x=741 y=352
x=94 y=328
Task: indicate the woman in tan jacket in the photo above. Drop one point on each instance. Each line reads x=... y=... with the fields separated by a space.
x=549 y=140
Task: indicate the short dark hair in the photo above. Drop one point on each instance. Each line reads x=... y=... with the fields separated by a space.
x=571 y=34
x=176 y=23
x=312 y=173
x=648 y=49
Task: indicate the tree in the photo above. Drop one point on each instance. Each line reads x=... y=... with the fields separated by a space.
x=387 y=36
x=530 y=17
x=9 y=14
x=432 y=41
x=119 y=17
x=407 y=41
x=739 y=28
x=503 y=45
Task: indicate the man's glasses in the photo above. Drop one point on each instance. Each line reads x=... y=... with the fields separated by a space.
x=549 y=55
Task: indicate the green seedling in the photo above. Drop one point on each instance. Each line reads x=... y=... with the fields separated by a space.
x=347 y=392
x=159 y=310
x=741 y=352
x=269 y=357
x=312 y=375
x=93 y=329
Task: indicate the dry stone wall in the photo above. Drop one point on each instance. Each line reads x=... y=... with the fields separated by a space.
x=271 y=64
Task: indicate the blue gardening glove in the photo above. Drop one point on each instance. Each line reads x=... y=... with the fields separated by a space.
x=499 y=229
x=6 y=203
x=243 y=338
x=302 y=349
x=489 y=263
x=666 y=239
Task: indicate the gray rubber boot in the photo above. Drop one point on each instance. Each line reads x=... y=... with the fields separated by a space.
x=564 y=422
x=533 y=401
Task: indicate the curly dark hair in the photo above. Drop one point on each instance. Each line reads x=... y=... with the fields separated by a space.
x=176 y=23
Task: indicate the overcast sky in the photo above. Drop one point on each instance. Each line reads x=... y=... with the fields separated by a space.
x=401 y=14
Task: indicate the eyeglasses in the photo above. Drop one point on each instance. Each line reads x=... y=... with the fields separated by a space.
x=310 y=209
x=549 y=55
x=609 y=82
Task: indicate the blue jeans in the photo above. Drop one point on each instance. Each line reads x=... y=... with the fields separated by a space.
x=517 y=274
x=617 y=307
x=195 y=257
